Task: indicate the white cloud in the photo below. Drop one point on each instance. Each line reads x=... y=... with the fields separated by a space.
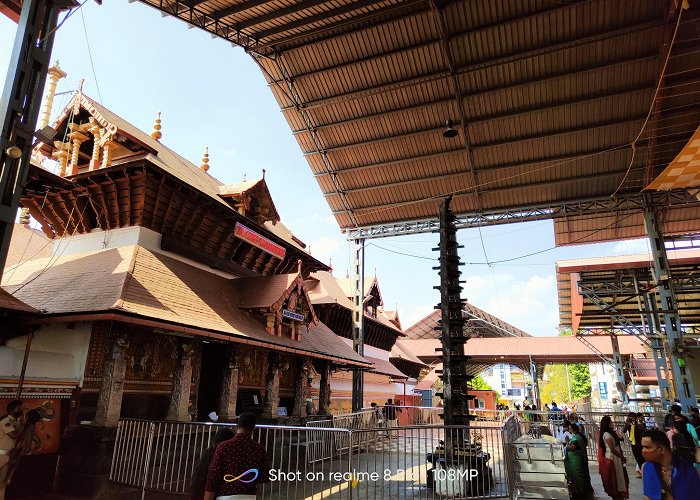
x=325 y=249
x=416 y=314
x=527 y=303
x=626 y=247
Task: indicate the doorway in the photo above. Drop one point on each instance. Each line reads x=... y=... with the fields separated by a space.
x=210 y=378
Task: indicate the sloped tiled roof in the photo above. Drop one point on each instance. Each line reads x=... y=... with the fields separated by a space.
x=383 y=367
x=264 y=291
x=26 y=244
x=326 y=290
x=399 y=351
x=137 y=281
x=8 y=301
x=348 y=286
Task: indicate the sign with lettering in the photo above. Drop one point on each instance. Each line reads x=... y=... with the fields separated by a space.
x=292 y=315
x=603 y=389
x=259 y=241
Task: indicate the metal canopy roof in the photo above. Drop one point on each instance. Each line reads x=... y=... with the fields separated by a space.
x=548 y=98
x=611 y=280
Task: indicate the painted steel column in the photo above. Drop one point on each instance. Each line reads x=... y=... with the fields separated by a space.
x=229 y=390
x=657 y=347
x=619 y=369
x=535 y=385
x=109 y=403
x=182 y=384
x=21 y=103
x=358 y=338
x=683 y=383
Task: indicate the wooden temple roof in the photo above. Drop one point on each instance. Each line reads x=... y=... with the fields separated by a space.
x=334 y=308
x=150 y=185
x=139 y=286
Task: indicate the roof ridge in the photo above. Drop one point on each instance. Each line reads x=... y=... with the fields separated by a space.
x=119 y=303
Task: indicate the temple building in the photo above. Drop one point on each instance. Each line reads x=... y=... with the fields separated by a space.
x=149 y=289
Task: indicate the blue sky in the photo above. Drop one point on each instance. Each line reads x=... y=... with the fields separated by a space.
x=212 y=94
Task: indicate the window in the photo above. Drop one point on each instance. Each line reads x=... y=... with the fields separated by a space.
x=514 y=392
x=480 y=403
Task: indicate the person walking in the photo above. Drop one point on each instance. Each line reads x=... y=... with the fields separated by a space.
x=391 y=413
x=238 y=465
x=576 y=465
x=611 y=460
x=634 y=427
x=666 y=475
x=201 y=468
x=10 y=431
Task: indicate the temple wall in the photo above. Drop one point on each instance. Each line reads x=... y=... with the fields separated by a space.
x=126 y=236
x=58 y=351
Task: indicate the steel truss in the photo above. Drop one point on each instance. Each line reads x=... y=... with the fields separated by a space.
x=599 y=207
x=20 y=104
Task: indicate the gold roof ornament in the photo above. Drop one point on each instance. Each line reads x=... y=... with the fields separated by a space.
x=205 y=160
x=156 y=134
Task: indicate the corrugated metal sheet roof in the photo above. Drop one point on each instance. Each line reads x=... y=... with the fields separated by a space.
x=612 y=280
x=547 y=97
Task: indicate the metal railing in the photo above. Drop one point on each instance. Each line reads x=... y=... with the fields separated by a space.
x=320 y=461
x=552 y=423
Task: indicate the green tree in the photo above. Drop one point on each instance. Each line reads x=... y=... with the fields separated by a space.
x=479 y=384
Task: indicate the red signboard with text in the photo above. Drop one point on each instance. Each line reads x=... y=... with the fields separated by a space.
x=259 y=241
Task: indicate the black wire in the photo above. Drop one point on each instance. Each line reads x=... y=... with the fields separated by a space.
x=489 y=263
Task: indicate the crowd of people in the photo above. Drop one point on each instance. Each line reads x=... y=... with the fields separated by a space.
x=666 y=460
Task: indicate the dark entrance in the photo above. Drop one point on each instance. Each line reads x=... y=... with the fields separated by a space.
x=210 y=379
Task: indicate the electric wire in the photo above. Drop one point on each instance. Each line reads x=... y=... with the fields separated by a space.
x=653 y=102
x=92 y=64
x=511 y=259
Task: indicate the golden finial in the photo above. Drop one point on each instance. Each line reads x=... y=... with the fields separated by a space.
x=244 y=178
x=263 y=174
x=205 y=160
x=156 y=134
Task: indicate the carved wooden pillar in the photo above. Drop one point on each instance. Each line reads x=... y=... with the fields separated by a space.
x=182 y=382
x=272 y=386
x=229 y=387
x=301 y=385
x=109 y=404
x=324 y=390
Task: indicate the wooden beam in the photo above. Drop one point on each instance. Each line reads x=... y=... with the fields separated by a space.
x=101 y=209
x=34 y=210
x=159 y=198
x=173 y=244
x=139 y=198
x=171 y=200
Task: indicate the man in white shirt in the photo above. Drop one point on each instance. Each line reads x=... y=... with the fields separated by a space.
x=9 y=432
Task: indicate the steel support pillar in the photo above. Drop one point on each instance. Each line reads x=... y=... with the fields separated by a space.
x=653 y=333
x=619 y=369
x=535 y=385
x=358 y=338
x=21 y=103
x=683 y=383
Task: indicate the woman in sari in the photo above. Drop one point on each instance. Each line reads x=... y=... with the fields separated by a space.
x=611 y=460
x=576 y=465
